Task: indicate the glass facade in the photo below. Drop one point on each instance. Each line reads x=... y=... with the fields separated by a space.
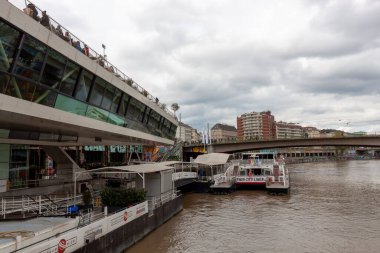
x=4 y=161
x=69 y=78
x=42 y=75
x=53 y=70
x=8 y=43
x=30 y=59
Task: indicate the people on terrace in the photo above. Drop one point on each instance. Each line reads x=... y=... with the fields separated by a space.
x=45 y=20
x=31 y=11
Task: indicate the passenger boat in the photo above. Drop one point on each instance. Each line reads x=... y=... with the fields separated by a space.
x=254 y=169
x=264 y=170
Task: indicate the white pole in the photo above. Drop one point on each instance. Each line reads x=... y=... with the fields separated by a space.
x=39 y=211
x=75 y=186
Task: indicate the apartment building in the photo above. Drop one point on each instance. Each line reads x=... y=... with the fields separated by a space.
x=222 y=131
x=286 y=130
x=256 y=125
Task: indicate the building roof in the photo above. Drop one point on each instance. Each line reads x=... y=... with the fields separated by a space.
x=212 y=159
x=223 y=127
x=184 y=125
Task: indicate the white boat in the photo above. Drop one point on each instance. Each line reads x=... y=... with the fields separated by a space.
x=255 y=170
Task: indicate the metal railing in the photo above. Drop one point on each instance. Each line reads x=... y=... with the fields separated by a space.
x=157 y=201
x=40 y=205
x=74 y=40
x=231 y=140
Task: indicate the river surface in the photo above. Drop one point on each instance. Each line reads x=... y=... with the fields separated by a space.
x=332 y=207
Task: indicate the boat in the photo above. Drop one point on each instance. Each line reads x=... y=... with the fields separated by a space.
x=255 y=170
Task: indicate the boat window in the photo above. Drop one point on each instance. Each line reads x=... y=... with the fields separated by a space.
x=84 y=85
x=108 y=97
x=9 y=38
x=53 y=70
x=31 y=58
x=69 y=78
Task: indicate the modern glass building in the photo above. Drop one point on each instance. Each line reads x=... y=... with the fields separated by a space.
x=53 y=94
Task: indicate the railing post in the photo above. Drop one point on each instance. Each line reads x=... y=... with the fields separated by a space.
x=40 y=208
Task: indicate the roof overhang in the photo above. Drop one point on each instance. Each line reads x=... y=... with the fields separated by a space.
x=212 y=159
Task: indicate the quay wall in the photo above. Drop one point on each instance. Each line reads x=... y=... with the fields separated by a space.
x=127 y=235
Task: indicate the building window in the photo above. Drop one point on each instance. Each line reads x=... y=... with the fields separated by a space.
x=69 y=78
x=4 y=79
x=30 y=91
x=53 y=69
x=9 y=38
x=70 y=105
x=116 y=100
x=97 y=92
x=124 y=104
x=154 y=120
x=108 y=97
x=84 y=84
x=135 y=110
x=31 y=58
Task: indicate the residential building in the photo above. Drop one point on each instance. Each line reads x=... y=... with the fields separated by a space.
x=184 y=132
x=288 y=130
x=223 y=132
x=195 y=136
x=256 y=125
x=311 y=132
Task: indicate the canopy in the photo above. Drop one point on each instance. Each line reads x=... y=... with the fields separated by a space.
x=139 y=168
x=212 y=159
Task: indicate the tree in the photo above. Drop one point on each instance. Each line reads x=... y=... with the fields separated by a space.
x=175 y=107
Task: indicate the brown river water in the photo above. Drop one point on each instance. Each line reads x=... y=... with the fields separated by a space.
x=332 y=207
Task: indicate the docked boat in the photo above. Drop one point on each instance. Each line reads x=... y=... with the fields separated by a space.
x=255 y=170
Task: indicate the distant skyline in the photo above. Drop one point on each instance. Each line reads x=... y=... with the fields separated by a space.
x=316 y=63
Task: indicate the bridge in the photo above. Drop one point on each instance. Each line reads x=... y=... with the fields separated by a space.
x=233 y=147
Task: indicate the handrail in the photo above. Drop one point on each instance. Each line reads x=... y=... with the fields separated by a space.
x=69 y=37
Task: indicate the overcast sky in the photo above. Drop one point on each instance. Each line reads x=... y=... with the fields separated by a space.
x=313 y=62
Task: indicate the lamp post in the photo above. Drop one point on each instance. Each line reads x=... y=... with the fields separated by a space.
x=104 y=51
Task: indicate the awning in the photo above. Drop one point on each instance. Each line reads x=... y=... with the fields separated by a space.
x=212 y=159
x=139 y=168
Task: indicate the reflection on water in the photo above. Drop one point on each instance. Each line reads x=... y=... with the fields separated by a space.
x=333 y=207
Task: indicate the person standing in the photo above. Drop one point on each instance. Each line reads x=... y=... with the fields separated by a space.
x=35 y=12
x=45 y=21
